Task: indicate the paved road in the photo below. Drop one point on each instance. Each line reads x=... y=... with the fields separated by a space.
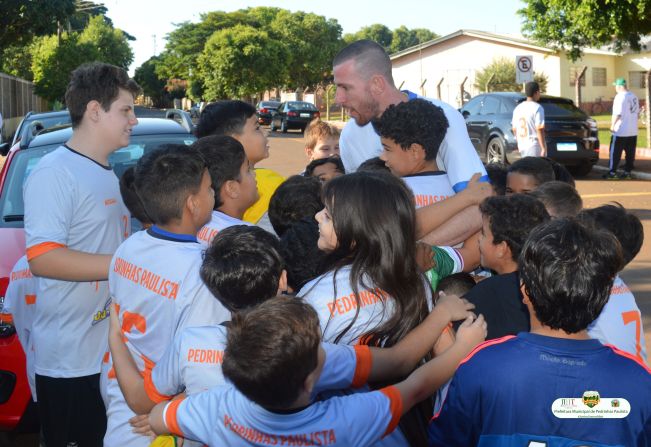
x=287 y=157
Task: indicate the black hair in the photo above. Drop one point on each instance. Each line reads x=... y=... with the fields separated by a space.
x=96 y=81
x=531 y=88
x=224 y=156
x=457 y=284
x=373 y=165
x=165 y=177
x=568 y=270
x=271 y=349
x=560 y=172
x=560 y=198
x=242 y=266
x=416 y=121
x=377 y=239
x=511 y=219
x=130 y=196
x=296 y=198
x=339 y=165
x=497 y=176
x=626 y=227
x=303 y=259
x=536 y=167
x=226 y=117
x=370 y=59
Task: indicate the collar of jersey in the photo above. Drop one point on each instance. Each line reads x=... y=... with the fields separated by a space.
x=426 y=173
x=159 y=233
x=410 y=95
x=108 y=168
x=562 y=344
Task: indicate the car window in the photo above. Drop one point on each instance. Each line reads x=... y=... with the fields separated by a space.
x=472 y=106
x=12 y=208
x=302 y=106
x=36 y=125
x=555 y=108
x=490 y=105
x=506 y=106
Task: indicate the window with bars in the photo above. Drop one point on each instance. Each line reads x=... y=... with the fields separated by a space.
x=598 y=77
x=637 y=79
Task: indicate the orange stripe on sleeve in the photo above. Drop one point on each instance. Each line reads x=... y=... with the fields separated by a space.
x=363 y=366
x=151 y=390
x=40 y=249
x=30 y=299
x=485 y=344
x=628 y=355
x=395 y=405
x=170 y=417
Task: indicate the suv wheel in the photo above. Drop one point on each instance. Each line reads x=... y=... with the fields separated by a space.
x=495 y=152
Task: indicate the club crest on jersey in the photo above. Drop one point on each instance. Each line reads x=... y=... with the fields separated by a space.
x=103 y=314
x=591 y=398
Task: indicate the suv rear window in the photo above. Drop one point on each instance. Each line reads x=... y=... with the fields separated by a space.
x=561 y=109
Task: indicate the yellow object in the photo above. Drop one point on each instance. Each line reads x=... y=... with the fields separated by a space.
x=268 y=182
x=164 y=441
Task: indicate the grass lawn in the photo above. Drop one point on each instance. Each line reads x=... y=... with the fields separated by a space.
x=603 y=122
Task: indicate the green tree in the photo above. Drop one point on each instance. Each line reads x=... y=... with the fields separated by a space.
x=152 y=85
x=499 y=76
x=376 y=32
x=574 y=25
x=110 y=44
x=404 y=38
x=21 y=20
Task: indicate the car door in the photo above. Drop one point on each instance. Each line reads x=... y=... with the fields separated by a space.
x=470 y=112
x=486 y=121
x=276 y=115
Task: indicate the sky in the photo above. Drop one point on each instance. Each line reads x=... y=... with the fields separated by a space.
x=151 y=20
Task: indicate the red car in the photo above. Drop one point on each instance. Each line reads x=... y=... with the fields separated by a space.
x=15 y=397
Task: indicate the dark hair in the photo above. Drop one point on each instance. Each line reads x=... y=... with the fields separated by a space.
x=377 y=238
x=370 y=59
x=96 y=81
x=416 y=121
x=226 y=117
x=536 y=167
x=296 y=198
x=560 y=172
x=511 y=219
x=568 y=271
x=303 y=259
x=457 y=283
x=224 y=156
x=497 y=176
x=626 y=227
x=165 y=178
x=130 y=196
x=271 y=350
x=560 y=198
x=242 y=266
x=531 y=88
x=339 y=166
x=374 y=164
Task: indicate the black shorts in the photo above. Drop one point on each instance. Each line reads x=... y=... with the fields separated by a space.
x=71 y=411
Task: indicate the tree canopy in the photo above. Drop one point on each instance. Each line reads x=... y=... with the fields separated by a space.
x=22 y=19
x=499 y=76
x=399 y=39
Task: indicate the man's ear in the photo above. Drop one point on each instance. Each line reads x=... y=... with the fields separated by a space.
x=377 y=85
x=282 y=282
x=92 y=110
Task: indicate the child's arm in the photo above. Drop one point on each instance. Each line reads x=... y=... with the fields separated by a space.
x=131 y=382
x=402 y=358
x=71 y=265
x=470 y=253
x=457 y=228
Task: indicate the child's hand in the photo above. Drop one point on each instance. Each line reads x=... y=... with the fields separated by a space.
x=471 y=333
x=424 y=256
x=456 y=308
x=140 y=425
x=477 y=190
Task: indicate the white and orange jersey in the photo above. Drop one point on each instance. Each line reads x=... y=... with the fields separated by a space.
x=20 y=301
x=620 y=322
x=528 y=118
x=218 y=222
x=72 y=201
x=429 y=187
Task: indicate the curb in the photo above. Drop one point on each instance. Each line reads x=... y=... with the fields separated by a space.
x=635 y=174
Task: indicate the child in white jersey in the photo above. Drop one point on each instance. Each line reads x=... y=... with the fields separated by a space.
x=233 y=181
x=74 y=222
x=275 y=360
x=154 y=275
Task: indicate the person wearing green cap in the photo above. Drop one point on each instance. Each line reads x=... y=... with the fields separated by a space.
x=624 y=130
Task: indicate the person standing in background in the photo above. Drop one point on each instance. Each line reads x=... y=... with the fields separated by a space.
x=528 y=123
x=623 y=127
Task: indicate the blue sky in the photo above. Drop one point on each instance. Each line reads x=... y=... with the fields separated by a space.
x=150 y=20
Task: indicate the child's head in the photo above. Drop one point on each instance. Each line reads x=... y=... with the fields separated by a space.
x=531 y=89
x=456 y=284
x=567 y=270
x=506 y=223
x=626 y=227
x=497 y=176
x=231 y=172
x=235 y=119
x=411 y=134
x=373 y=165
x=296 y=198
x=130 y=197
x=560 y=199
x=561 y=173
x=243 y=267
x=325 y=169
x=273 y=354
x=303 y=259
x=172 y=183
x=527 y=174
x=321 y=140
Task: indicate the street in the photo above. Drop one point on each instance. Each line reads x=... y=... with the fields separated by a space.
x=287 y=158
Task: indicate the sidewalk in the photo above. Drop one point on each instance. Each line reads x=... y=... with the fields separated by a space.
x=642 y=169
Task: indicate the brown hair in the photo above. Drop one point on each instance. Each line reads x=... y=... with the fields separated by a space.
x=318 y=130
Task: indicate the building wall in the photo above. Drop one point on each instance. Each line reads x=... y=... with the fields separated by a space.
x=589 y=92
x=633 y=62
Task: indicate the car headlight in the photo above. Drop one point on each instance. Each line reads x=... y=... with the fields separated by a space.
x=592 y=123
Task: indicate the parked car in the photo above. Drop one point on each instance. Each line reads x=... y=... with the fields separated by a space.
x=571 y=135
x=265 y=109
x=149 y=134
x=293 y=115
x=33 y=123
